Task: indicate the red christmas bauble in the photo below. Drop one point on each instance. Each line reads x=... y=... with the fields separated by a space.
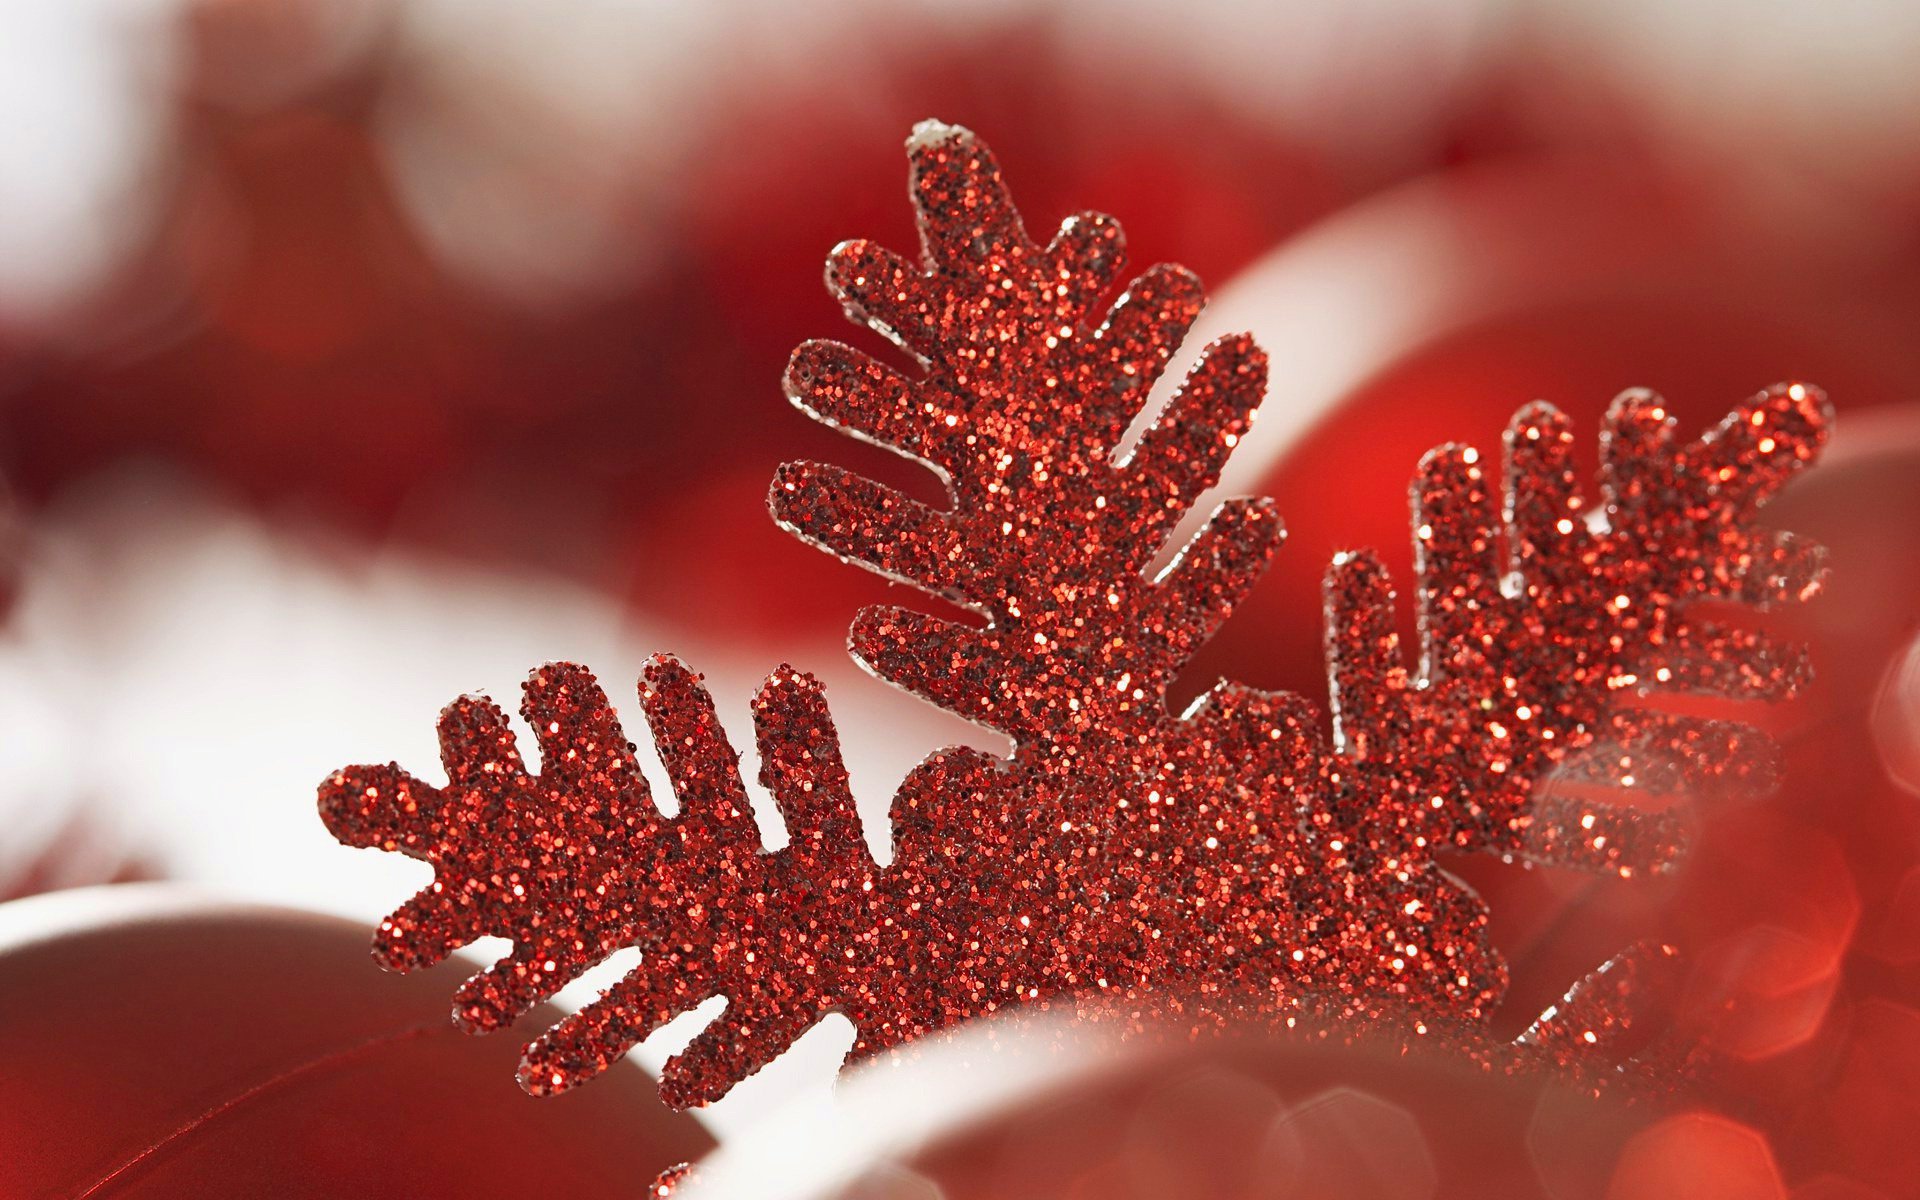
x=1241 y=1116
x=160 y=1045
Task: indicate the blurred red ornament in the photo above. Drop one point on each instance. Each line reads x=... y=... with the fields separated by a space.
x=297 y=329
x=1243 y=1116
x=159 y=1045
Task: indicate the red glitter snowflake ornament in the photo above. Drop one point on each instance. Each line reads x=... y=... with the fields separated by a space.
x=1237 y=858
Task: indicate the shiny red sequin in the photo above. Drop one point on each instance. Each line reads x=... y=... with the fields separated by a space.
x=1236 y=858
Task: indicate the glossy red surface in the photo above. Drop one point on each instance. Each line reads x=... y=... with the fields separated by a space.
x=158 y=1045
x=1256 y=1117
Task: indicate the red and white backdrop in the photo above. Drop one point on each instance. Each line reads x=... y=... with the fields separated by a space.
x=355 y=355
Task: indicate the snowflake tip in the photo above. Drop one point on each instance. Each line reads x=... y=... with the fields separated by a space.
x=933 y=132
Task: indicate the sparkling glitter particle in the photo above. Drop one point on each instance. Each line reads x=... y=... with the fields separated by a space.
x=1247 y=857
x=669 y=1181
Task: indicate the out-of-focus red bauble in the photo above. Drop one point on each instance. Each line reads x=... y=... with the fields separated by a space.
x=158 y=1045
x=330 y=362
x=1255 y=1119
x=1242 y=1116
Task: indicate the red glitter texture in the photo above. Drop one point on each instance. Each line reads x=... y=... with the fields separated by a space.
x=1238 y=857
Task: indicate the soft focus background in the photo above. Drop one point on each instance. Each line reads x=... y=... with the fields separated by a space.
x=355 y=354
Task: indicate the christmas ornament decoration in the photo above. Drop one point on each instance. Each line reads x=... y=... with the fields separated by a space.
x=160 y=1044
x=1244 y=856
x=1250 y=1114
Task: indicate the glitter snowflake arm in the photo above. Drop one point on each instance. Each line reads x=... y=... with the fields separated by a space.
x=1026 y=391
x=575 y=862
x=775 y=926
x=1550 y=624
